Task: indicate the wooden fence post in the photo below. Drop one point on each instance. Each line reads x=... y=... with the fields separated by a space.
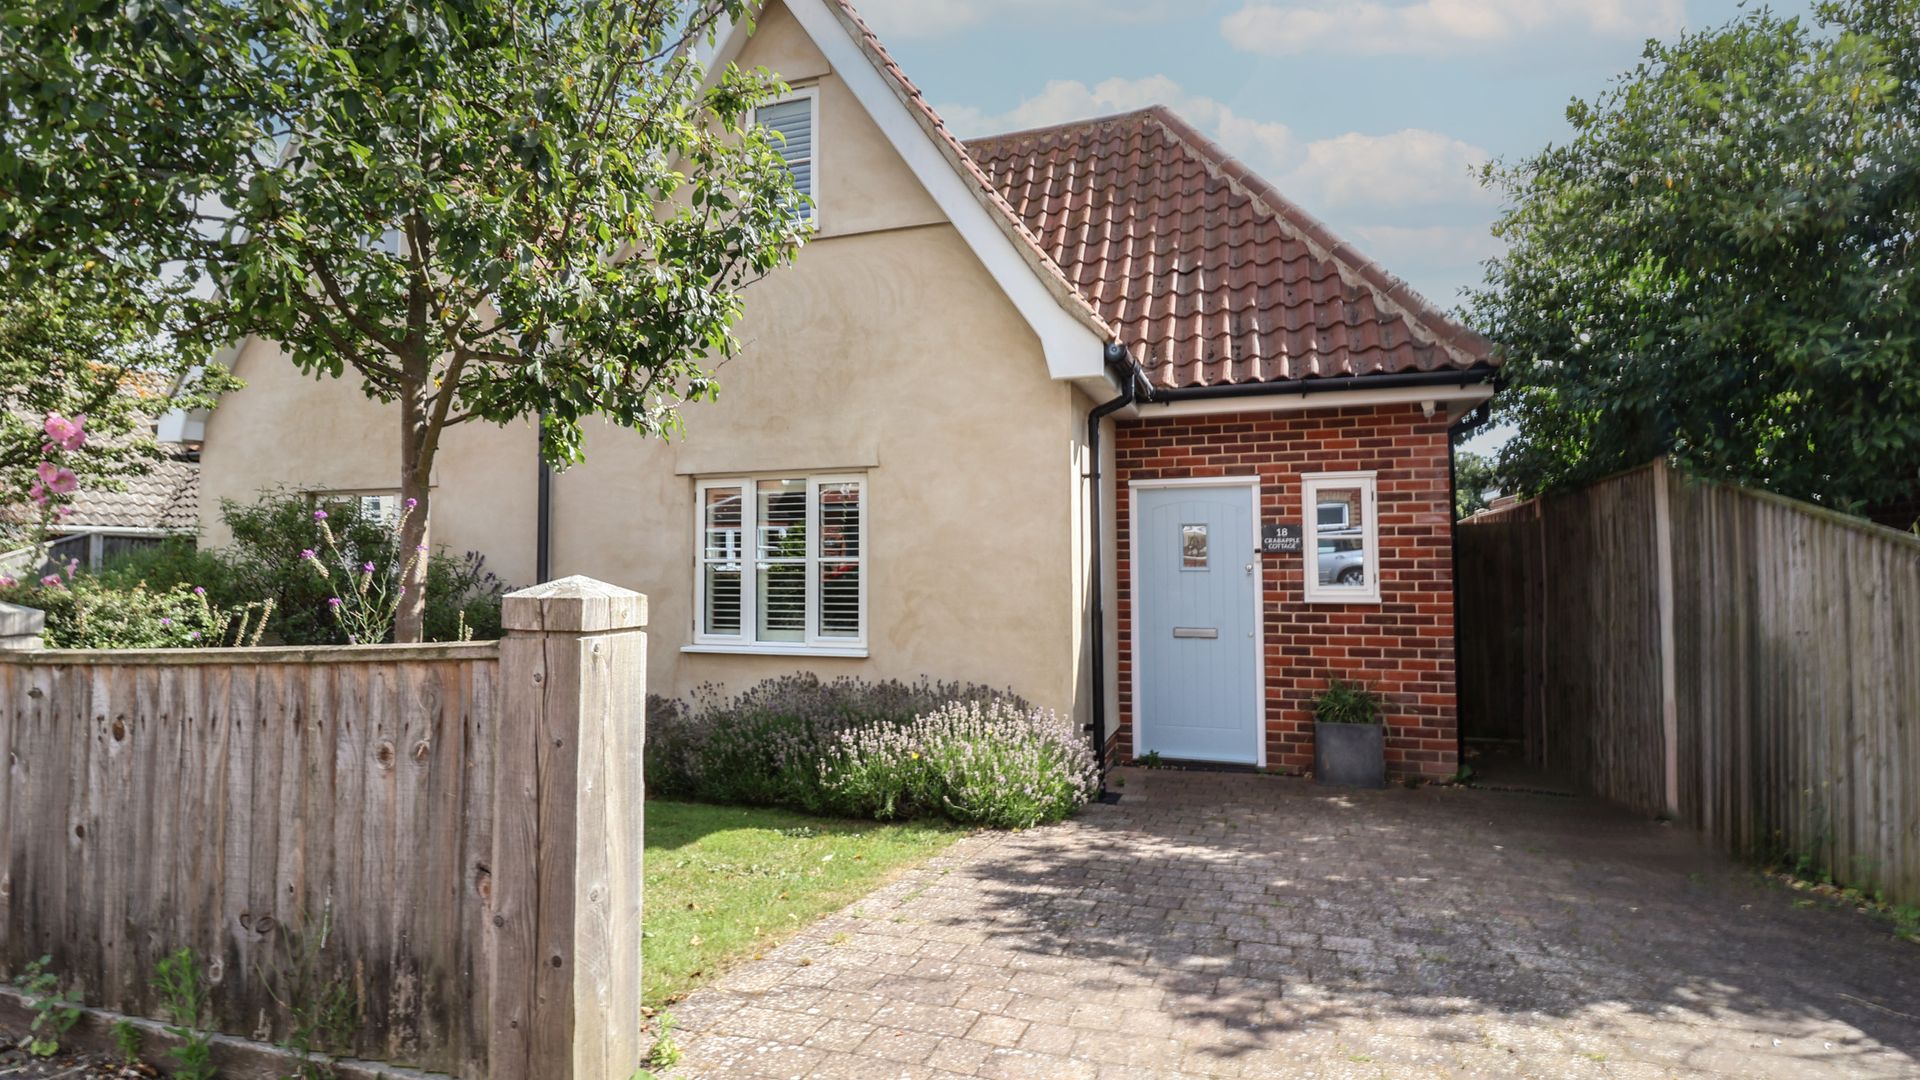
x=567 y=834
x=1669 y=673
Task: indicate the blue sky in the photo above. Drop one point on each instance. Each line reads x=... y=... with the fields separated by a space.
x=1370 y=113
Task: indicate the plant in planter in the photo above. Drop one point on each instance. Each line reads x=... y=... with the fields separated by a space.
x=1349 y=741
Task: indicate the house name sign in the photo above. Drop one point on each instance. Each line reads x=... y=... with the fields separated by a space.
x=1281 y=539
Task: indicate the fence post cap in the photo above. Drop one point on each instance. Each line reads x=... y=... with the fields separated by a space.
x=19 y=621
x=576 y=604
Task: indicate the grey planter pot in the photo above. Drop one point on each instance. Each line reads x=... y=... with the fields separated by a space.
x=1350 y=755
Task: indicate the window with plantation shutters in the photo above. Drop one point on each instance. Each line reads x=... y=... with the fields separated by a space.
x=793 y=120
x=782 y=564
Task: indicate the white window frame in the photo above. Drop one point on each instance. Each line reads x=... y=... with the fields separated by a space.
x=813 y=643
x=1311 y=485
x=810 y=95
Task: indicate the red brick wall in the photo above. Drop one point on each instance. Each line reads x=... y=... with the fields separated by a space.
x=1401 y=646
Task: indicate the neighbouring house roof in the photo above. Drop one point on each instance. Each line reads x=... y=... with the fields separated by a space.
x=167 y=497
x=1210 y=275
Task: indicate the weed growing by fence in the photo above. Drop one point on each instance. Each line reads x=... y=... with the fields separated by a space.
x=126 y=1041
x=183 y=995
x=320 y=1007
x=55 y=1011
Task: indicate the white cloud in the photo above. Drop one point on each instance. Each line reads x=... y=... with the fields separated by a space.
x=1402 y=169
x=1287 y=27
x=1260 y=142
x=1405 y=169
x=928 y=18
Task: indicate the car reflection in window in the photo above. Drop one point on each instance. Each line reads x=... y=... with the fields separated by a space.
x=1342 y=560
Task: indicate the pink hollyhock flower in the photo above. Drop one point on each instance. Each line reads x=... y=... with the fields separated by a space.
x=52 y=581
x=57 y=480
x=64 y=433
x=8 y=582
x=37 y=493
x=63 y=511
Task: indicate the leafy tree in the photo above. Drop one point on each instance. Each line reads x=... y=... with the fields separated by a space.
x=86 y=350
x=1474 y=482
x=1720 y=266
x=485 y=209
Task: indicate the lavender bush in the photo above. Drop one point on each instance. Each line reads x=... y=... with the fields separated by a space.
x=829 y=747
x=987 y=763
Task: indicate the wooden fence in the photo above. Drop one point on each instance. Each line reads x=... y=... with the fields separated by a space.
x=410 y=826
x=1743 y=662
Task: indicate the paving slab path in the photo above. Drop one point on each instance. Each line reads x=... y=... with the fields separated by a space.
x=1215 y=925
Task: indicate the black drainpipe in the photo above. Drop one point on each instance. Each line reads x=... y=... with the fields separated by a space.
x=1473 y=418
x=543 y=526
x=1115 y=357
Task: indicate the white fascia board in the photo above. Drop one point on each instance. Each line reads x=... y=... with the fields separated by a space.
x=1454 y=401
x=1072 y=348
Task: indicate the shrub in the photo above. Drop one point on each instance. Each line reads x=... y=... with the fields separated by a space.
x=1346 y=702
x=83 y=613
x=463 y=598
x=980 y=763
x=847 y=747
x=265 y=559
x=174 y=561
x=264 y=563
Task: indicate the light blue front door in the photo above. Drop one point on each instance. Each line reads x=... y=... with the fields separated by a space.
x=1194 y=640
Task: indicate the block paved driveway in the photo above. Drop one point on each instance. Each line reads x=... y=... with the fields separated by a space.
x=1249 y=926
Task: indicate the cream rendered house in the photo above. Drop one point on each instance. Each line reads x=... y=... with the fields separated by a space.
x=900 y=477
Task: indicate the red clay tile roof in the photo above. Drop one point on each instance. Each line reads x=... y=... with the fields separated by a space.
x=957 y=155
x=1209 y=274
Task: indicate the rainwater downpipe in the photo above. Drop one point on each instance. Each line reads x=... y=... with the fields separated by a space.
x=1116 y=361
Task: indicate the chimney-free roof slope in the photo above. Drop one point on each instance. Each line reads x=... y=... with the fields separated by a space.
x=1209 y=275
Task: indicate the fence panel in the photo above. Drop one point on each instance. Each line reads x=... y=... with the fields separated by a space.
x=308 y=821
x=1790 y=638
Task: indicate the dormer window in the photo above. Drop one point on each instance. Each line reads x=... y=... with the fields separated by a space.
x=793 y=118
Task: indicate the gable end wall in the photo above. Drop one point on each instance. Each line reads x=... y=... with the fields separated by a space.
x=1401 y=646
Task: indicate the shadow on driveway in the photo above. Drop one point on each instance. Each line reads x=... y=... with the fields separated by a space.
x=1250 y=926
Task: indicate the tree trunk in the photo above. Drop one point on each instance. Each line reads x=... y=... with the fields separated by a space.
x=416 y=470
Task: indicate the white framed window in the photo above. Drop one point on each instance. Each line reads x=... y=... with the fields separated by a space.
x=379 y=507
x=1342 y=550
x=781 y=565
x=795 y=117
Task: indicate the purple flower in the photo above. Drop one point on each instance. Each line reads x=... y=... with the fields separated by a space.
x=199 y=590
x=319 y=515
x=306 y=553
x=166 y=622
x=51 y=581
x=403 y=591
x=195 y=636
x=411 y=503
x=333 y=602
x=367 y=567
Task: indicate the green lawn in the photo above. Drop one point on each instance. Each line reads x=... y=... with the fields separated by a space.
x=725 y=883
